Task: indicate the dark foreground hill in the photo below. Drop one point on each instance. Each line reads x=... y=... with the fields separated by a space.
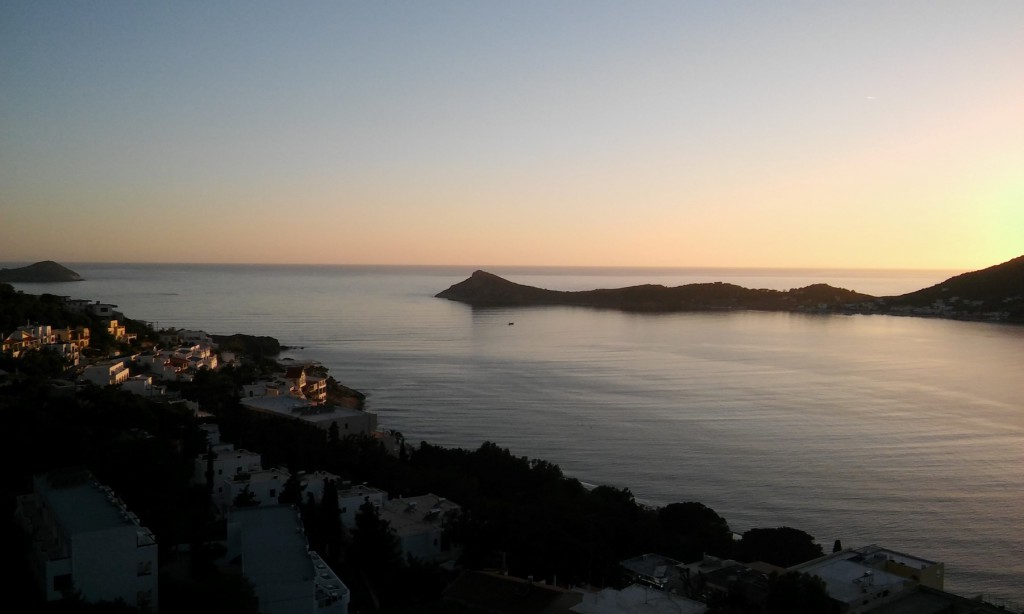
x=484 y=289
x=995 y=293
x=41 y=272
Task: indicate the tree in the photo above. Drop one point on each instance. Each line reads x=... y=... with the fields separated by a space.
x=39 y=363
x=782 y=546
x=210 y=457
x=330 y=521
x=311 y=522
x=798 y=593
x=246 y=498
x=291 y=492
x=693 y=530
x=374 y=545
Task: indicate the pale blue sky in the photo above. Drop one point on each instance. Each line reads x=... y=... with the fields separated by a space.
x=856 y=134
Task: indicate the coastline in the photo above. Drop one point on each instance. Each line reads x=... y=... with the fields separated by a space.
x=364 y=350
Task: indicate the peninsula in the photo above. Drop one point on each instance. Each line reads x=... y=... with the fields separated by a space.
x=46 y=271
x=992 y=294
x=484 y=289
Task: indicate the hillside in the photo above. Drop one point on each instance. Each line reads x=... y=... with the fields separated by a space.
x=41 y=272
x=995 y=293
x=484 y=289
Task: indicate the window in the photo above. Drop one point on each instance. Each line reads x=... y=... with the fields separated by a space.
x=143 y=598
x=273 y=492
x=144 y=568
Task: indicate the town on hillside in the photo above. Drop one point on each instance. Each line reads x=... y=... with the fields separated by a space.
x=170 y=470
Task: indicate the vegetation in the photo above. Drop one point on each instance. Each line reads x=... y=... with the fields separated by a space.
x=250 y=345
x=18 y=309
x=783 y=546
x=998 y=288
x=798 y=593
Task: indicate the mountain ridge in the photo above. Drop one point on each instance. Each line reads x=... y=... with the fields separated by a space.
x=995 y=293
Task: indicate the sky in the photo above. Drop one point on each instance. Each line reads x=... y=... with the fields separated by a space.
x=868 y=134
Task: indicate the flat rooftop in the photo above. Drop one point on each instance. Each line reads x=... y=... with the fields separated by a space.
x=412 y=515
x=292 y=407
x=81 y=504
x=848 y=581
x=274 y=548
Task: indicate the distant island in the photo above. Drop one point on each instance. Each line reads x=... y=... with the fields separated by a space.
x=993 y=294
x=47 y=271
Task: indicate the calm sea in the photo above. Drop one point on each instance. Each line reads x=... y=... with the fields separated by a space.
x=904 y=432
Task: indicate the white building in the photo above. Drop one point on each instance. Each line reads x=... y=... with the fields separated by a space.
x=142 y=385
x=419 y=523
x=287 y=577
x=107 y=374
x=349 y=421
x=194 y=337
x=119 y=332
x=86 y=542
x=227 y=463
x=71 y=352
x=42 y=333
x=349 y=497
x=265 y=485
x=212 y=431
x=161 y=366
x=78 y=335
x=19 y=342
x=101 y=310
x=637 y=598
x=863 y=579
x=313 y=483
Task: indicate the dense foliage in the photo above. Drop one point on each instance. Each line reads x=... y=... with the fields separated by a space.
x=18 y=309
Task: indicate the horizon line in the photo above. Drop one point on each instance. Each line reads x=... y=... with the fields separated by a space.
x=484 y=267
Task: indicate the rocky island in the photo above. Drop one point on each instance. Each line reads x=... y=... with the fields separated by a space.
x=992 y=294
x=47 y=271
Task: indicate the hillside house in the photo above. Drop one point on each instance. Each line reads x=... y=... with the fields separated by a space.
x=86 y=542
x=305 y=385
x=862 y=580
x=420 y=523
x=286 y=576
x=110 y=374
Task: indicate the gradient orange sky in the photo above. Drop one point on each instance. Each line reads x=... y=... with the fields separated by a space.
x=715 y=134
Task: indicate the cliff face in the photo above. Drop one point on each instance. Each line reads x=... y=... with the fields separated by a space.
x=484 y=289
x=41 y=272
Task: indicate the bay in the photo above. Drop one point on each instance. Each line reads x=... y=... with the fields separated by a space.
x=905 y=432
